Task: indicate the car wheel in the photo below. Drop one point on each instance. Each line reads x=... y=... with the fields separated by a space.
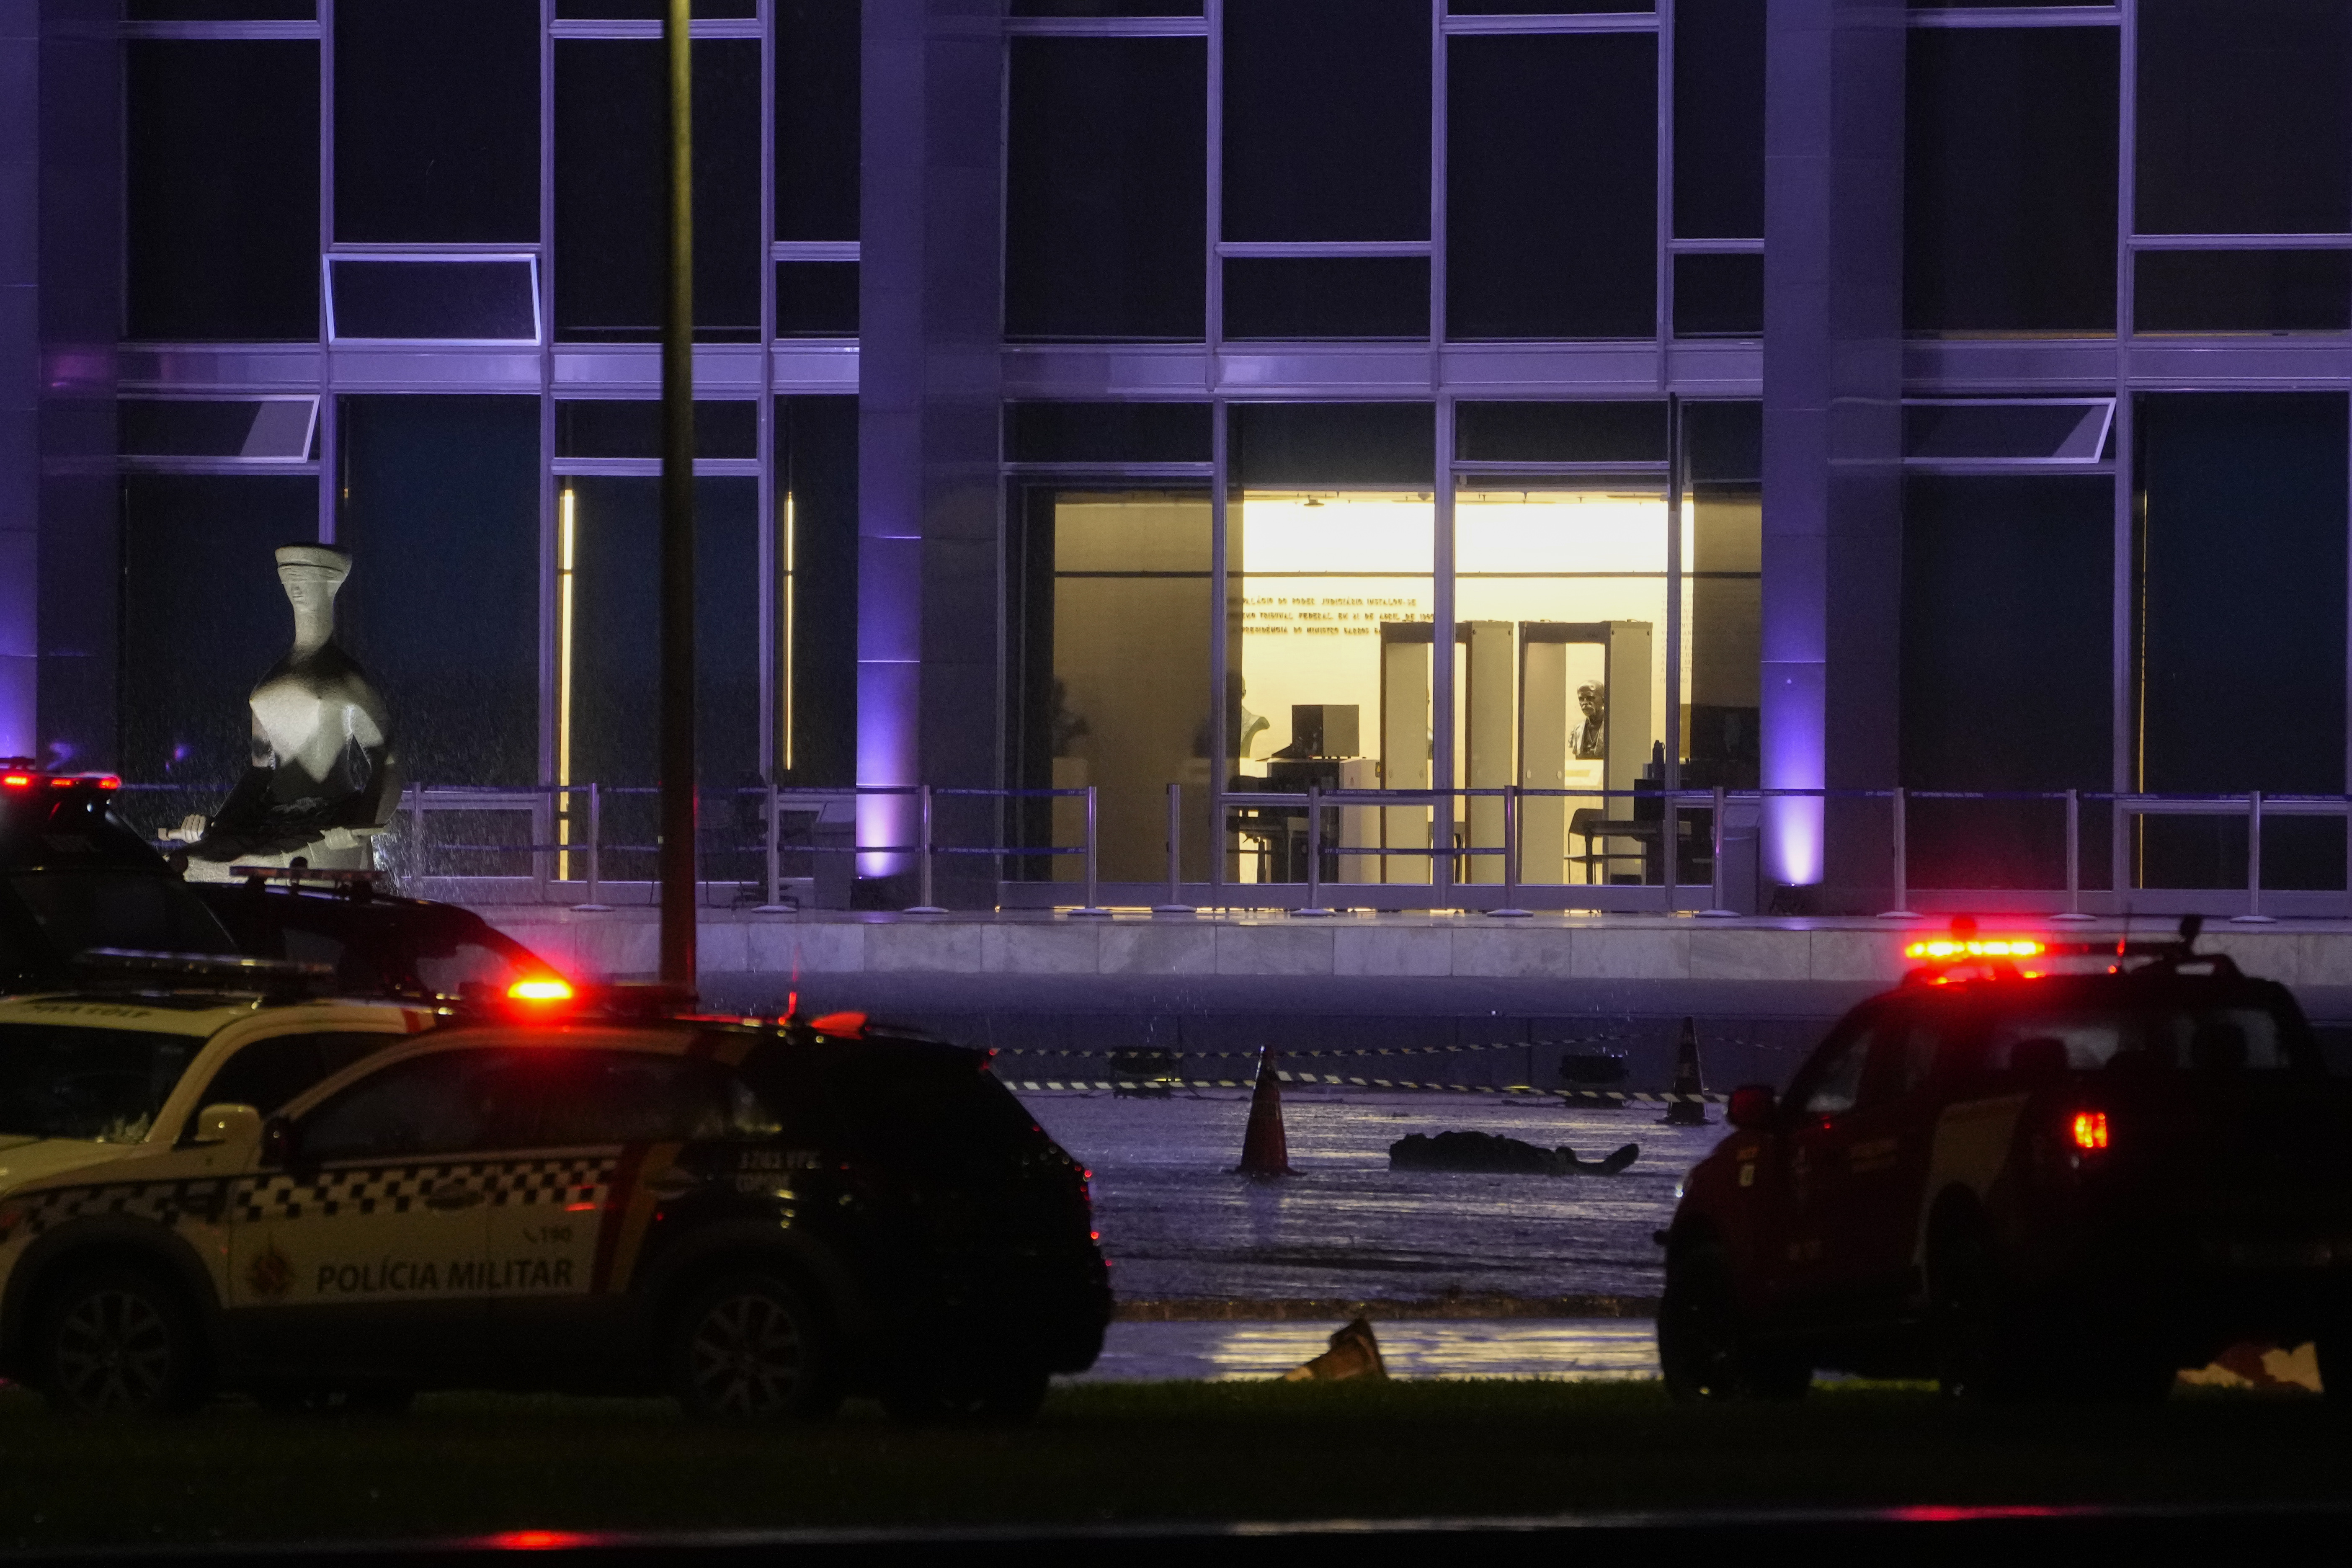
x=1008 y=1395
x=749 y=1348
x=117 y=1344
x=1705 y=1350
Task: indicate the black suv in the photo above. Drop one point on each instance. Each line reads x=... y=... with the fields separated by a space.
x=320 y=1201
x=376 y=945
x=2021 y=1179
x=74 y=875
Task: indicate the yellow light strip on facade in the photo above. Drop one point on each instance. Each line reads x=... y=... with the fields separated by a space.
x=567 y=526
x=785 y=641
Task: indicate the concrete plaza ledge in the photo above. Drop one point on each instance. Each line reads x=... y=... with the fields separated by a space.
x=622 y=942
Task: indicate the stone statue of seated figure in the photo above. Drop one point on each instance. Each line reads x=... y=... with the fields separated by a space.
x=324 y=778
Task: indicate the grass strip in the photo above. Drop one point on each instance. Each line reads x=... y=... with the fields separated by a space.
x=1132 y=1452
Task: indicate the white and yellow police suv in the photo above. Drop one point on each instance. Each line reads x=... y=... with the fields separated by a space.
x=209 y=1179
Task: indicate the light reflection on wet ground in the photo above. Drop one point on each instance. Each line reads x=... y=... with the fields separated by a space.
x=1176 y=1222
x=1581 y=1349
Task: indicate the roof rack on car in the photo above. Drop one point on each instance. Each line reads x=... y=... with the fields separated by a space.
x=132 y=971
x=358 y=885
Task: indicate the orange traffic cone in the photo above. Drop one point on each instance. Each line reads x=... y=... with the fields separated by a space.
x=1686 y=1108
x=1264 y=1150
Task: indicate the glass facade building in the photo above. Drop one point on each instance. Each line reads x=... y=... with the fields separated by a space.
x=1229 y=398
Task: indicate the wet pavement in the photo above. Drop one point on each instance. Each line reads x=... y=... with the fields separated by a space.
x=1178 y=1224
x=1581 y=1350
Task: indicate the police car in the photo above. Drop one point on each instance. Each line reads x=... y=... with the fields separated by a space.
x=2030 y=1169
x=319 y=1201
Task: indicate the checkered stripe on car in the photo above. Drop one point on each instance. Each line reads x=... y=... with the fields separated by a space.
x=397 y=1189
x=165 y=1203
x=576 y=1180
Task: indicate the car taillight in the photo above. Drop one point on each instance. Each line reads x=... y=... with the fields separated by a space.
x=2089 y=1128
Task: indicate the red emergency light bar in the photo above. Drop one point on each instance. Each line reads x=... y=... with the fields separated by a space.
x=1962 y=948
x=14 y=780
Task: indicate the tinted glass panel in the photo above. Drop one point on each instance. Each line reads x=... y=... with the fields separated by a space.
x=610 y=106
x=2007 y=586
x=436 y=120
x=817 y=469
x=1542 y=8
x=2242 y=600
x=1719 y=296
x=816 y=119
x=203 y=618
x=1551 y=187
x=1106 y=195
x=2242 y=291
x=1107 y=432
x=1106 y=8
x=1561 y=432
x=440 y=510
x=651 y=10
x=2010 y=196
x=269 y=1073
x=1718 y=120
x=221 y=10
x=557 y=1098
x=2246 y=117
x=443 y=300
x=431 y=1105
x=616 y=692
x=1327 y=297
x=100 y=1084
x=612 y=427
x=1320 y=445
x=1326 y=120
x=222 y=192
x=816 y=299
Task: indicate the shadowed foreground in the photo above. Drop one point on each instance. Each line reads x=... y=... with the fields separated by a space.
x=1135 y=1452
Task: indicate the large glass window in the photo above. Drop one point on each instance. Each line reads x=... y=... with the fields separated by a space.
x=1326 y=120
x=203 y=618
x=2007 y=649
x=1105 y=216
x=439 y=508
x=608 y=675
x=436 y=120
x=816 y=119
x=2241 y=635
x=1551 y=186
x=1718 y=120
x=610 y=173
x=2009 y=180
x=222 y=191
x=1113 y=690
x=2246 y=117
x=1723 y=594
x=816 y=590
x=1330 y=547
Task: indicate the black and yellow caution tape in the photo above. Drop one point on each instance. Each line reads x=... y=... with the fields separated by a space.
x=1602 y=1097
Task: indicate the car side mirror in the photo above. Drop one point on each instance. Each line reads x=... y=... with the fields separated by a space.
x=237 y=1126
x=1752 y=1107
x=281 y=1142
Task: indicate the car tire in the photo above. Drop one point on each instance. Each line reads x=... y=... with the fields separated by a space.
x=116 y=1341
x=1008 y=1395
x=1704 y=1350
x=751 y=1348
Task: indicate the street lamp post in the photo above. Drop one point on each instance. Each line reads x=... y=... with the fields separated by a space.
x=678 y=802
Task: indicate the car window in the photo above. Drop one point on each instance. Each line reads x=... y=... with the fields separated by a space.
x=2220 y=1039
x=438 y=1104
x=268 y=1073
x=2091 y=1037
x=551 y=1098
x=105 y=1084
x=1833 y=1079
x=448 y=971
x=1902 y=1053
x=147 y=912
x=2186 y=1039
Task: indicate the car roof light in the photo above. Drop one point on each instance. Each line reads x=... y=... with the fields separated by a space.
x=1961 y=949
x=541 y=989
x=17 y=781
